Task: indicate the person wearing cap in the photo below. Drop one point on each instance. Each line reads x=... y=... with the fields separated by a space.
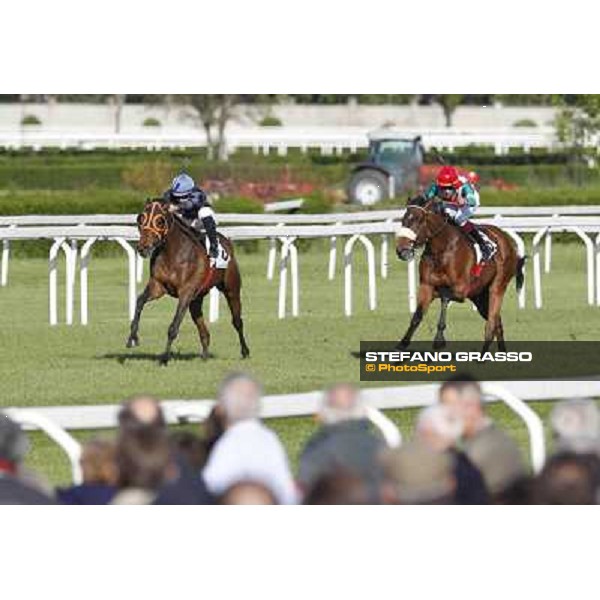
x=190 y=202
x=14 y=488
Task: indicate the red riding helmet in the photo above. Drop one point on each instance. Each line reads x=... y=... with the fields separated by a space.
x=473 y=178
x=448 y=177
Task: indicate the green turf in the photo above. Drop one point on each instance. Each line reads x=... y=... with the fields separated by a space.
x=40 y=365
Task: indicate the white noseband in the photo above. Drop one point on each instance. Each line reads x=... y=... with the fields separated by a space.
x=406 y=233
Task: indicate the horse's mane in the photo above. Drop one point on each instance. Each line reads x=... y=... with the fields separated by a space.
x=188 y=231
x=419 y=200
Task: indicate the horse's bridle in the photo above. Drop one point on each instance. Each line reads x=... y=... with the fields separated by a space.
x=430 y=236
x=150 y=221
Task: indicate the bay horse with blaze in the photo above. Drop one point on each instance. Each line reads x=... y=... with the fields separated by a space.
x=180 y=267
x=446 y=269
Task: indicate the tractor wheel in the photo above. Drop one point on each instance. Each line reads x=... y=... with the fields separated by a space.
x=368 y=187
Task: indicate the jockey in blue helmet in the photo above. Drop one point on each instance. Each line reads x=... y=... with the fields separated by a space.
x=190 y=202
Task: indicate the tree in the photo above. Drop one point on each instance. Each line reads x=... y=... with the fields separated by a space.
x=578 y=119
x=449 y=103
x=214 y=112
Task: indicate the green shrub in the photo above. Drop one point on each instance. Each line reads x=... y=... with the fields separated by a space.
x=316 y=204
x=525 y=123
x=238 y=205
x=270 y=121
x=151 y=122
x=28 y=120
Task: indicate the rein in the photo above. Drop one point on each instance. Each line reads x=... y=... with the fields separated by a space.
x=437 y=231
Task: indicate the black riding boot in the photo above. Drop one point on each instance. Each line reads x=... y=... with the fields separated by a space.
x=211 y=232
x=487 y=250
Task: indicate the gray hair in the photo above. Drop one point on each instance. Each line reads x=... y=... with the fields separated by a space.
x=13 y=441
x=239 y=394
x=576 y=425
x=341 y=402
x=442 y=421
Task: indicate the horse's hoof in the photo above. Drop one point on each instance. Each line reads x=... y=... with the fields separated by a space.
x=132 y=343
x=246 y=353
x=402 y=344
x=163 y=361
x=439 y=344
x=204 y=355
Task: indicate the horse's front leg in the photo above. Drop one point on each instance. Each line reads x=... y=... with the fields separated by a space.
x=439 y=340
x=152 y=291
x=182 y=307
x=423 y=302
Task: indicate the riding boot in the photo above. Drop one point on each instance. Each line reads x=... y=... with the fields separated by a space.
x=476 y=236
x=211 y=232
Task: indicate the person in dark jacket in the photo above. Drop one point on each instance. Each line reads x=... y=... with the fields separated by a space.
x=440 y=429
x=99 y=471
x=344 y=444
x=14 y=489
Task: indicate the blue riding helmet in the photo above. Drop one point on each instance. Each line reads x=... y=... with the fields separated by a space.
x=182 y=185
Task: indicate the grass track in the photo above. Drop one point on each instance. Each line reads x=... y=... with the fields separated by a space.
x=40 y=365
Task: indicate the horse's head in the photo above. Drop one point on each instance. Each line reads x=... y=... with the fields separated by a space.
x=153 y=224
x=415 y=229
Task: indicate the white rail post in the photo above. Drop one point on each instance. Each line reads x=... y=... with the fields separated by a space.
x=288 y=254
x=5 y=259
x=537 y=269
x=272 y=257
x=598 y=270
x=70 y=251
x=535 y=428
x=139 y=274
x=548 y=249
x=385 y=244
x=521 y=252
x=412 y=285
x=52 y=279
x=348 y=247
x=71 y=447
x=132 y=291
x=213 y=308
x=332 y=255
x=589 y=247
x=83 y=280
x=295 y=283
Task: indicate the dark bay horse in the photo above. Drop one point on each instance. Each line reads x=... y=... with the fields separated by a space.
x=445 y=269
x=179 y=267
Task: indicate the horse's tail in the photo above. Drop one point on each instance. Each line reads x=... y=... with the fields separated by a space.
x=520 y=276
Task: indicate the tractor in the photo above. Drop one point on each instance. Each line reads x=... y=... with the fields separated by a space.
x=394 y=165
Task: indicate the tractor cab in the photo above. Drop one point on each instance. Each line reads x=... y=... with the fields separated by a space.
x=393 y=165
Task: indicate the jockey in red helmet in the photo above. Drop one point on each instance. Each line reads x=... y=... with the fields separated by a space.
x=460 y=199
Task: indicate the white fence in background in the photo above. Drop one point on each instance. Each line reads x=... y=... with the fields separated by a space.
x=54 y=421
x=264 y=139
x=75 y=236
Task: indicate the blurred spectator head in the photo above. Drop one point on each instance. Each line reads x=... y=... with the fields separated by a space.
x=239 y=396
x=248 y=492
x=189 y=447
x=567 y=478
x=13 y=444
x=340 y=487
x=421 y=475
x=462 y=395
x=141 y=412
x=576 y=426
x=143 y=459
x=341 y=402
x=439 y=427
x=98 y=462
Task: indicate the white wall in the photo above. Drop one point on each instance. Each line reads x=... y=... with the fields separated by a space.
x=78 y=117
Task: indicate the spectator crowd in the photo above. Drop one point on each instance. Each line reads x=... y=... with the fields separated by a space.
x=456 y=455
